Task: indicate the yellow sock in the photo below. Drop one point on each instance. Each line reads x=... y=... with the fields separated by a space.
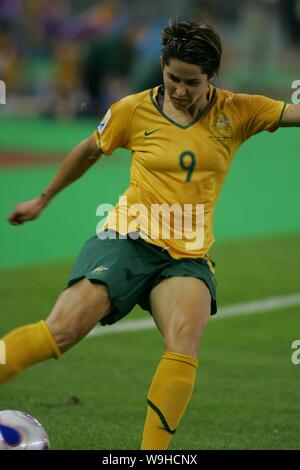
x=168 y=397
x=26 y=346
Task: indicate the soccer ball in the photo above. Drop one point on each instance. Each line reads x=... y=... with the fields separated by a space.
x=20 y=431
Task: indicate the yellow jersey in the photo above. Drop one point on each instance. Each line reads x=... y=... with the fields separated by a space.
x=179 y=167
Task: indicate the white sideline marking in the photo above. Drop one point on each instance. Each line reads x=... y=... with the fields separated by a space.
x=261 y=306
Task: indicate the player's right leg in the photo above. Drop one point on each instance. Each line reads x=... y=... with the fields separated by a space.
x=77 y=310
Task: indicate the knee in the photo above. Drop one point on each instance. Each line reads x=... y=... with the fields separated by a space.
x=72 y=319
x=66 y=332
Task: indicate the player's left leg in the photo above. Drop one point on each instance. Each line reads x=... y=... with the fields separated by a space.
x=181 y=308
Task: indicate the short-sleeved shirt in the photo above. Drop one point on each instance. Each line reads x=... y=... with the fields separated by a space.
x=179 y=167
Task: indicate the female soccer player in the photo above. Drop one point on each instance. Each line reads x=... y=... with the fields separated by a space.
x=182 y=136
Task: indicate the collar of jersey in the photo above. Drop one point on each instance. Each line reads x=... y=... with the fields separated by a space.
x=202 y=113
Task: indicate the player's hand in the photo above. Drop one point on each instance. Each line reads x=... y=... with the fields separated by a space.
x=28 y=210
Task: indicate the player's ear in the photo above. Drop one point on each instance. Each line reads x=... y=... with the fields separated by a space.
x=214 y=76
x=161 y=63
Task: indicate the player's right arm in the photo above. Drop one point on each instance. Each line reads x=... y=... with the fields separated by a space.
x=77 y=162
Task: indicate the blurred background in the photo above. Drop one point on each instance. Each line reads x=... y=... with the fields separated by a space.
x=65 y=61
x=71 y=58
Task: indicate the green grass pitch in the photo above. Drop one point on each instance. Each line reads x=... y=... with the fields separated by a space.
x=247 y=390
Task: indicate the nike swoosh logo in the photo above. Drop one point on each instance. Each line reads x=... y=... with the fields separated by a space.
x=147 y=133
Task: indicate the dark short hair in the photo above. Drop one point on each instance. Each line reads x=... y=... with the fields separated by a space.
x=193 y=42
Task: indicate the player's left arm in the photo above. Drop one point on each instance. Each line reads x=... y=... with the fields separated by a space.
x=291 y=116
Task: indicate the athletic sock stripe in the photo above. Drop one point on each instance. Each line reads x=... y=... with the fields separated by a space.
x=161 y=417
x=180 y=360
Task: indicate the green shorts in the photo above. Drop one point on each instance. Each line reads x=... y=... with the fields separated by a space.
x=131 y=269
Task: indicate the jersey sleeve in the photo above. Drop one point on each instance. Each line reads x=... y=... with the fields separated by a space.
x=258 y=113
x=114 y=130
